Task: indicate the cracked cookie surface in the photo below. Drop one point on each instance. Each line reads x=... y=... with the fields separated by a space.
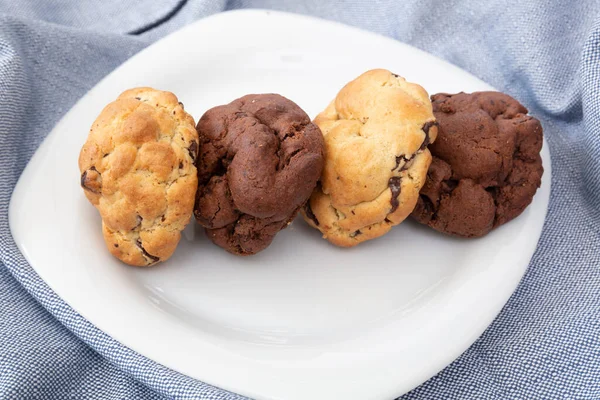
x=260 y=159
x=486 y=166
x=376 y=133
x=138 y=169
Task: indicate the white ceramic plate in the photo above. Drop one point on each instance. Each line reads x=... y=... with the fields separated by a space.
x=303 y=319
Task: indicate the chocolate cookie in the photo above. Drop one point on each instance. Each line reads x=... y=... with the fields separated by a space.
x=138 y=169
x=376 y=132
x=260 y=159
x=486 y=166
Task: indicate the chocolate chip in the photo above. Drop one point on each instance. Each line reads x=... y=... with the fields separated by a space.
x=193 y=150
x=398 y=159
x=84 y=179
x=138 y=98
x=180 y=165
x=309 y=213
x=355 y=233
x=394 y=185
x=406 y=161
x=396 y=76
x=116 y=245
x=425 y=129
x=152 y=258
x=181 y=104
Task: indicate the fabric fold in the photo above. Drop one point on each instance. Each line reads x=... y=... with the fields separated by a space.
x=545 y=344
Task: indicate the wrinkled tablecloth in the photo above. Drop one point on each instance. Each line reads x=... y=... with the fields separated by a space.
x=545 y=344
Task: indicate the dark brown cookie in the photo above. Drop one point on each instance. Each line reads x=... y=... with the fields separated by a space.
x=486 y=166
x=260 y=159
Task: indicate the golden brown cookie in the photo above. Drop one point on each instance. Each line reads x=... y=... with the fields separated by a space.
x=376 y=135
x=138 y=169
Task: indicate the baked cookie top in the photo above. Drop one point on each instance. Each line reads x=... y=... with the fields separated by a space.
x=138 y=169
x=487 y=165
x=260 y=159
x=376 y=135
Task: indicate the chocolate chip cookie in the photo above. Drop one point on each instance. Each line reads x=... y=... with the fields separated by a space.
x=260 y=159
x=376 y=133
x=486 y=166
x=138 y=169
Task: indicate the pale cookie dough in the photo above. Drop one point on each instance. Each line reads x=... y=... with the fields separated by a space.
x=376 y=135
x=138 y=169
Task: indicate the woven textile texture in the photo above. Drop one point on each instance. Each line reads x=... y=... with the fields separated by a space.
x=545 y=344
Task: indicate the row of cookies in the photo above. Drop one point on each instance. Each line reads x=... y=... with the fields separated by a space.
x=244 y=171
x=247 y=168
x=462 y=164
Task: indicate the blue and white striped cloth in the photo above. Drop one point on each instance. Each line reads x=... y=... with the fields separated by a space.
x=546 y=342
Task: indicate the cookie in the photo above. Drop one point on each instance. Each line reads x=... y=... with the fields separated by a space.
x=138 y=169
x=486 y=166
x=260 y=159
x=376 y=135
